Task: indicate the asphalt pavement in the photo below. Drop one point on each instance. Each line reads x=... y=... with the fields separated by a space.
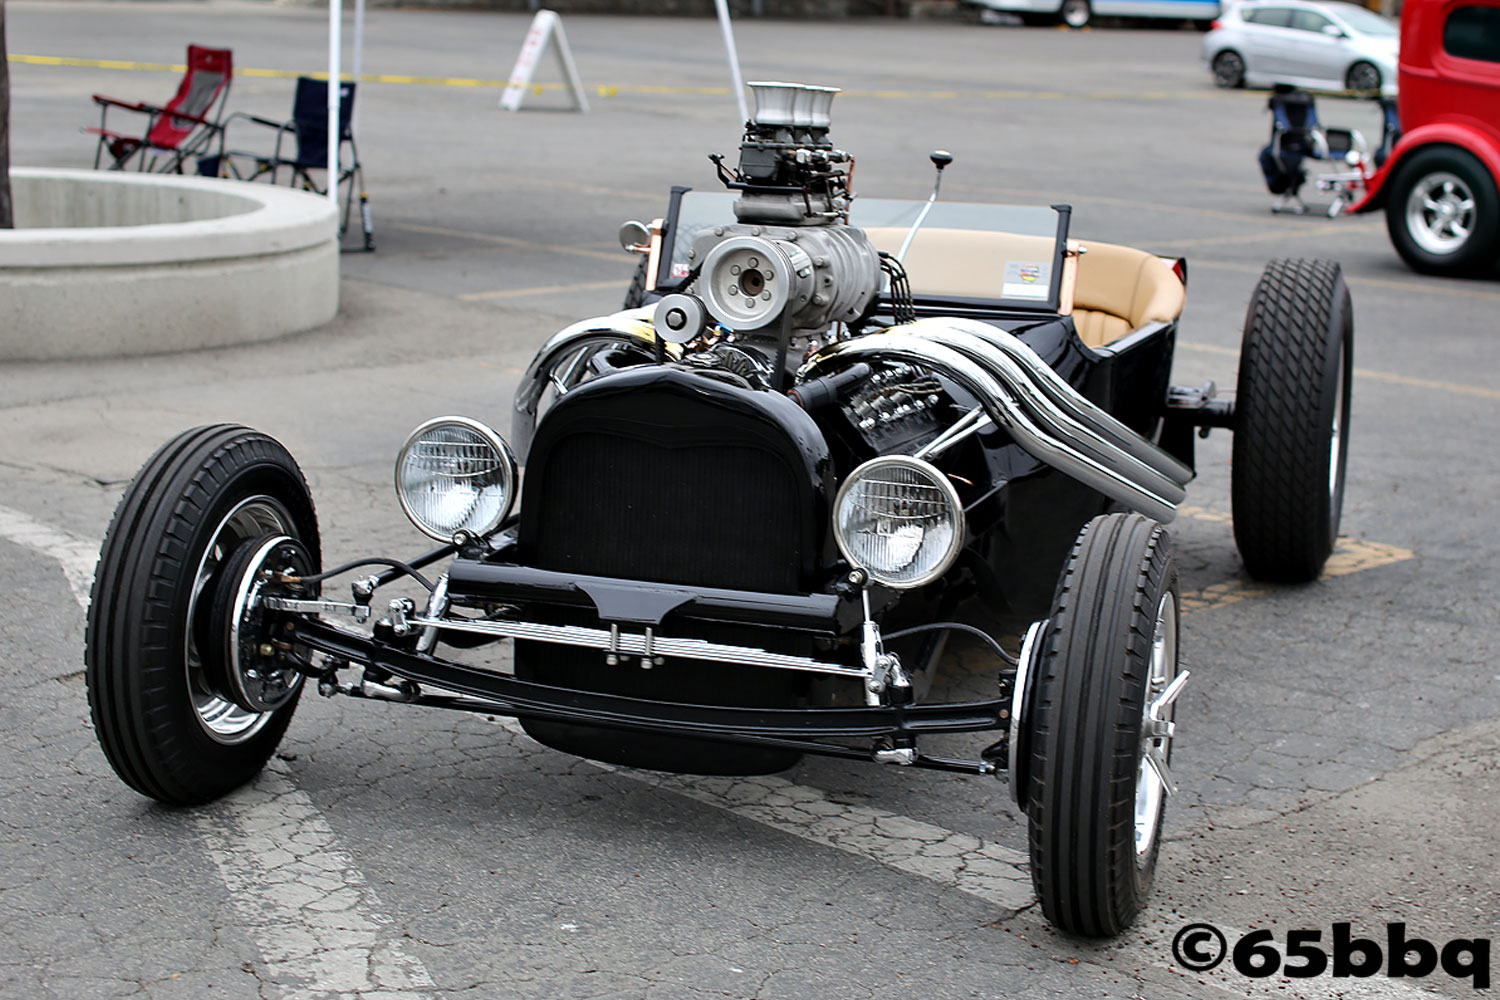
x=1337 y=747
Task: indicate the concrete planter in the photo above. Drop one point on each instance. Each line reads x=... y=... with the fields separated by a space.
x=112 y=264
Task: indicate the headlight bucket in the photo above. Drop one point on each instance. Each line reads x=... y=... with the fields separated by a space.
x=455 y=475
x=900 y=520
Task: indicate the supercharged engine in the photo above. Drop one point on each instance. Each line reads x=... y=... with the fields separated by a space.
x=791 y=266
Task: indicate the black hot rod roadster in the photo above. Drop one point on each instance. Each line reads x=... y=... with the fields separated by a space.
x=755 y=504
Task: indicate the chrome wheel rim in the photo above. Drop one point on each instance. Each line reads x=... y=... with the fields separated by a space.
x=1336 y=440
x=1075 y=13
x=223 y=720
x=1153 y=780
x=1440 y=213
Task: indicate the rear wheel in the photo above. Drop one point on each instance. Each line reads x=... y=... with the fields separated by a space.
x=1229 y=69
x=184 y=707
x=635 y=295
x=1075 y=13
x=1291 y=413
x=1362 y=76
x=1443 y=211
x=1100 y=726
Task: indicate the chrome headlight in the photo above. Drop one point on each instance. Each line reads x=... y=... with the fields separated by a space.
x=900 y=520
x=455 y=474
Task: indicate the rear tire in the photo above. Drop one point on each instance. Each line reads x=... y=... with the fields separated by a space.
x=1075 y=13
x=182 y=526
x=1362 y=76
x=635 y=295
x=1291 y=412
x=1443 y=212
x=1095 y=801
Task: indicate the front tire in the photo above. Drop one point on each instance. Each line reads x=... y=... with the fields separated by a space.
x=1443 y=212
x=151 y=656
x=1100 y=726
x=1362 y=76
x=1229 y=69
x=1291 y=413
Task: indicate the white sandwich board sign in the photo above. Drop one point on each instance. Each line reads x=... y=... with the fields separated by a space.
x=545 y=27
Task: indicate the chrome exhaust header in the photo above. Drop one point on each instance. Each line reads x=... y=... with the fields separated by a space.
x=1121 y=477
x=1064 y=395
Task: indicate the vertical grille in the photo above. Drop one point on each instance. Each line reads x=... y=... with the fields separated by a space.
x=721 y=515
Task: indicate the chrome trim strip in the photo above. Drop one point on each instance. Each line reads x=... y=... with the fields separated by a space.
x=1001 y=405
x=615 y=641
x=1067 y=399
x=631 y=324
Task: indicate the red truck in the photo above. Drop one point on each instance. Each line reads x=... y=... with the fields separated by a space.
x=1440 y=186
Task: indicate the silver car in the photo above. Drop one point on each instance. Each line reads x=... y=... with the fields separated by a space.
x=1324 y=45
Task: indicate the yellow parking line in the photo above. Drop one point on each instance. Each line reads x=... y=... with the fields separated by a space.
x=610 y=90
x=509 y=241
x=515 y=293
x=1350 y=555
x=1457 y=388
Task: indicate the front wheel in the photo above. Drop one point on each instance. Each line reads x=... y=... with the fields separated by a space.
x=187 y=703
x=1291 y=420
x=1443 y=211
x=1075 y=13
x=1229 y=69
x=1100 y=726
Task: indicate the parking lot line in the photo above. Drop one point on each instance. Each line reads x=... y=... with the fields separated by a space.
x=1457 y=388
x=997 y=874
x=612 y=89
x=311 y=912
x=513 y=293
x=507 y=241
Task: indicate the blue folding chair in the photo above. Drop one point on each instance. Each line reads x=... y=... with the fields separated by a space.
x=302 y=148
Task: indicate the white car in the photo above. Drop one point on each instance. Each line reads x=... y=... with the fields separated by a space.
x=1330 y=46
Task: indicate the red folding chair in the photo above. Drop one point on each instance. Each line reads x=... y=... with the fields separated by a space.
x=183 y=128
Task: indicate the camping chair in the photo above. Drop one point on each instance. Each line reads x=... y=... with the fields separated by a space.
x=302 y=147
x=184 y=127
x=1298 y=136
x=1390 y=130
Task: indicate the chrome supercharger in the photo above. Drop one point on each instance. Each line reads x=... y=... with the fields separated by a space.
x=791 y=266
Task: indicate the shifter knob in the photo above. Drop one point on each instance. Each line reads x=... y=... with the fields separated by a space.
x=941 y=158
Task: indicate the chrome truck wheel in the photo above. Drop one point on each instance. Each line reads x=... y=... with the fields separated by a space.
x=184 y=707
x=1100 y=726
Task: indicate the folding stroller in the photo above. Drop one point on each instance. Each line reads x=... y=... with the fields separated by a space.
x=185 y=126
x=302 y=147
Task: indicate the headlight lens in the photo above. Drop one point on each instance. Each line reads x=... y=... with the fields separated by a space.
x=900 y=520
x=455 y=474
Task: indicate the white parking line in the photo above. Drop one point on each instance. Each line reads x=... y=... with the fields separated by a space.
x=76 y=555
x=311 y=913
x=309 y=909
x=994 y=873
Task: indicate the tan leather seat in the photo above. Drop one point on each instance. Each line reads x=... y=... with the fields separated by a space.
x=1120 y=289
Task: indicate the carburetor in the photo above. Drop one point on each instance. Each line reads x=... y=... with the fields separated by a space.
x=792 y=266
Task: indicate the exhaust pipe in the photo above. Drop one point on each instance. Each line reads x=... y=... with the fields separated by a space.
x=1068 y=399
x=1000 y=402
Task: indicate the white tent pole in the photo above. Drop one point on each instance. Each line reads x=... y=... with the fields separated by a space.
x=359 y=55
x=335 y=64
x=734 y=59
